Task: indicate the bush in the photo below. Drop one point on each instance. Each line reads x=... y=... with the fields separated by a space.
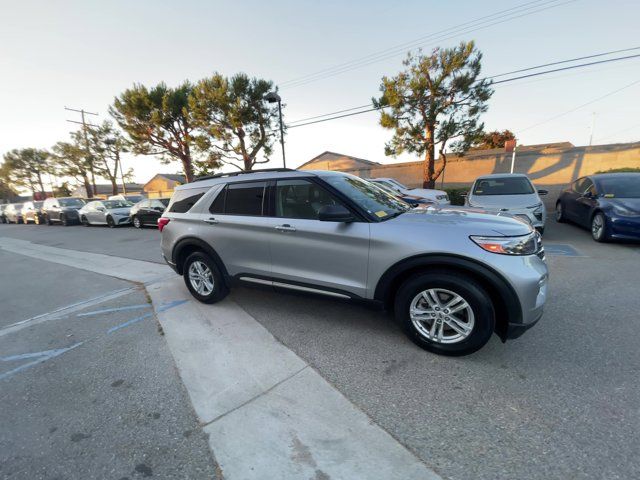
x=621 y=170
x=455 y=195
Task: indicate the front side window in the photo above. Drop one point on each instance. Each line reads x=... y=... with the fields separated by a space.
x=503 y=186
x=183 y=200
x=301 y=199
x=244 y=198
x=370 y=198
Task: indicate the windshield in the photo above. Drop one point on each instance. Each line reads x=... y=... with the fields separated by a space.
x=71 y=202
x=164 y=201
x=620 y=187
x=368 y=196
x=503 y=186
x=37 y=204
x=396 y=183
x=116 y=204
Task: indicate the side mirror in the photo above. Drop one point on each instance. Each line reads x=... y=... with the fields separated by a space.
x=588 y=194
x=100 y=209
x=335 y=213
x=543 y=192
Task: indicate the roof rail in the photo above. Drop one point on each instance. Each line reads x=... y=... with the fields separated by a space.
x=243 y=172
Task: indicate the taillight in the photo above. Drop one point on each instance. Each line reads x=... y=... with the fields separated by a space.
x=162 y=222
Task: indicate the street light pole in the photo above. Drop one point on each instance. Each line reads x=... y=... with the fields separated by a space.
x=273 y=97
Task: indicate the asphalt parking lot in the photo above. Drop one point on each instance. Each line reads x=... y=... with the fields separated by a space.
x=560 y=402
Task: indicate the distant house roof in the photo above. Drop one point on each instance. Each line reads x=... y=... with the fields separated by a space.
x=337 y=157
x=163 y=181
x=106 y=189
x=176 y=177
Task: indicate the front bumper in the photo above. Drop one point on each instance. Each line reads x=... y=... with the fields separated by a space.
x=624 y=228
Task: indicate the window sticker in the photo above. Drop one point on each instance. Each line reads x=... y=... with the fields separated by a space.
x=381 y=213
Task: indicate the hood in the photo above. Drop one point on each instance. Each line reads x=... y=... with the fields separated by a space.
x=500 y=202
x=470 y=221
x=119 y=211
x=426 y=192
x=632 y=204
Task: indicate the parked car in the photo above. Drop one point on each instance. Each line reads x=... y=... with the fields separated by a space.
x=510 y=193
x=435 y=196
x=13 y=213
x=3 y=206
x=106 y=212
x=62 y=210
x=608 y=204
x=452 y=276
x=129 y=198
x=147 y=212
x=32 y=212
x=412 y=200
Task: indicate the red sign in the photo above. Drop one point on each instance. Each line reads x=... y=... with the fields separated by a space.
x=509 y=146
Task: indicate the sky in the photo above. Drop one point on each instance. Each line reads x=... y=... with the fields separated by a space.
x=81 y=54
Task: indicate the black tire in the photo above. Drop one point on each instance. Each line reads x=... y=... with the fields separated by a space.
x=540 y=230
x=136 y=221
x=470 y=291
x=560 y=216
x=64 y=220
x=110 y=222
x=599 y=235
x=220 y=289
x=84 y=221
x=47 y=220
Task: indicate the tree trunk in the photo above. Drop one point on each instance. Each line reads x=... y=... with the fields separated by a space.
x=41 y=185
x=87 y=186
x=247 y=164
x=428 y=177
x=187 y=165
x=114 y=185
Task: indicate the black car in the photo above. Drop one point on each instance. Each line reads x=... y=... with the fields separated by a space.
x=63 y=210
x=607 y=203
x=147 y=212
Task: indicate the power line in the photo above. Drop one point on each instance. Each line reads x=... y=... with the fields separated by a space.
x=580 y=106
x=545 y=72
x=436 y=37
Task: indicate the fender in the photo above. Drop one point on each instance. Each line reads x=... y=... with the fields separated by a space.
x=187 y=245
x=504 y=297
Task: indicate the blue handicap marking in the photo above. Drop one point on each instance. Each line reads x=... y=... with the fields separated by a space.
x=561 y=250
x=38 y=357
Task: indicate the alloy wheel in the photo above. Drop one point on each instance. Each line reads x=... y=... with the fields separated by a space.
x=441 y=316
x=559 y=212
x=201 y=278
x=597 y=227
x=136 y=222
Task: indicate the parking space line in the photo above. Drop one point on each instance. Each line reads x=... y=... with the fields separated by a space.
x=41 y=357
x=117 y=309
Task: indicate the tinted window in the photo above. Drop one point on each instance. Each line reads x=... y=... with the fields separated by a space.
x=620 y=187
x=301 y=199
x=218 y=203
x=245 y=198
x=183 y=200
x=503 y=186
x=71 y=202
x=156 y=204
x=163 y=201
x=578 y=185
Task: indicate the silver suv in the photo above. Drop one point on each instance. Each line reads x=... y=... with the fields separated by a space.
x=452 y=277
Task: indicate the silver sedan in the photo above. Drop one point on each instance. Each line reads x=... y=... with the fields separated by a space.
x=106 y=212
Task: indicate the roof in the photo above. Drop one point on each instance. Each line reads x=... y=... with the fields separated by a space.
x=327 y=155
x=176 y=177
x=242 y=177
x=502 y=175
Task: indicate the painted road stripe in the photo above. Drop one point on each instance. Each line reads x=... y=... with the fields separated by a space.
x=117 y=309
x=41 y=357
x=63 y=312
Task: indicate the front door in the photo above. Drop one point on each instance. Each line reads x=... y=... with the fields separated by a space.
x=305 y=250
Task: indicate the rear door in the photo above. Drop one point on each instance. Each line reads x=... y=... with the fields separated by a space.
x=235 y=226
x=307 y=251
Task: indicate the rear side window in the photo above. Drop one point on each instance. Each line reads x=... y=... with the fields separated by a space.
x=183 y=200
x=244 y=198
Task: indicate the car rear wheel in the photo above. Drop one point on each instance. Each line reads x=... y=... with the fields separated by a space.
x=599 y=228
x=560 y=218
x=84 y=221
x=136 y=221
x=203 y=278
x=444 y=313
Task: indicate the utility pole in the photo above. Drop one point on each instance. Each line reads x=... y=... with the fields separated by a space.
x=84 y=124
x=593 y=127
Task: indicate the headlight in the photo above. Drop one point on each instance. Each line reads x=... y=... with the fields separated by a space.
x=623 y=211
x=442 y=197
x=522 y=245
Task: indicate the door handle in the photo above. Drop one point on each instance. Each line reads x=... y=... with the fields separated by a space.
x=211 y=221
x=285 y=228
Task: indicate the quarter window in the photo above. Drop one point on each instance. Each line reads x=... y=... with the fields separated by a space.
x=184 y=200
x=245 y=198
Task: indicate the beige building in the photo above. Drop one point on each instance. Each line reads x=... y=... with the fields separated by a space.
x=163 y=184
x=552 y=165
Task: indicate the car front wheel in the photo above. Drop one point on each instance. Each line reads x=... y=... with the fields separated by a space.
x=136 y=222
x=203 y=278
x=444 y=313
x=560 y=218
x=599 y=228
